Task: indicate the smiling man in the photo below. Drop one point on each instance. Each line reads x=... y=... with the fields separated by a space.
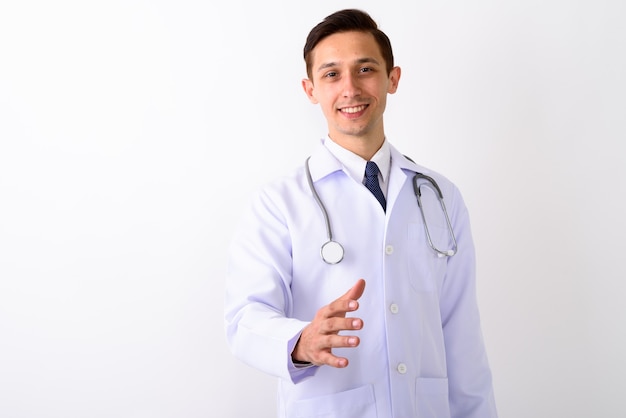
x=408 y=344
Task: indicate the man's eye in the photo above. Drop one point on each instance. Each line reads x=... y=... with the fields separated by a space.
x=365 y=70
x=331 y=74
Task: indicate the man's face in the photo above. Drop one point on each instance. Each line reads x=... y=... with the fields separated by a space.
x=350 y=83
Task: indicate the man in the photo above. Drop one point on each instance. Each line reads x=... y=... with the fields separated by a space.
x=409 y=343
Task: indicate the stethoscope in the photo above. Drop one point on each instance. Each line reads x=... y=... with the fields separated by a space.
x=332 y=252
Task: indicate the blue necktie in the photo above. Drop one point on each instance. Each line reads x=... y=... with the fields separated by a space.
x=371 y=182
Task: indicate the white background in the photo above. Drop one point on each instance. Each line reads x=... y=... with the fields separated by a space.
x=133 y=132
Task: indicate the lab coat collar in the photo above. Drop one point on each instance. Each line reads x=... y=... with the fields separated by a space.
x=323 y=162
x=401 y=161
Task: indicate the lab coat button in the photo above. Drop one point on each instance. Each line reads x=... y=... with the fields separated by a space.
x=389 y=249
x=394 y=308
x=402 y=368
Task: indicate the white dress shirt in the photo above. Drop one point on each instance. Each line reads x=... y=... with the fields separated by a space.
x=355 y=164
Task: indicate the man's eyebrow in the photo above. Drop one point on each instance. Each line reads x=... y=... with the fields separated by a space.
x=367 y=60
x=326 y=65
x=364 y=60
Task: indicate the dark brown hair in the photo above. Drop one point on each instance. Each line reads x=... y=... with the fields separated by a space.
x=344 y=21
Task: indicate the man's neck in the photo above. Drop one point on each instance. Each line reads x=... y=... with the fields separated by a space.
x=364 y=147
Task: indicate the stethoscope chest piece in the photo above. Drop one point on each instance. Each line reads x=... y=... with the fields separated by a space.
x=332 y=252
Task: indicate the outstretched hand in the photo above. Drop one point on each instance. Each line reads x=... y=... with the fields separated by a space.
x=322 y=334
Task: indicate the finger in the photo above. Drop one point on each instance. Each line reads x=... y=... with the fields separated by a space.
x=355 y=291
x=316 y=348
x=328 y=359
x=337 y=324
x=346 y=302
x=325 y=355
x=343 y=341
x=337 y=341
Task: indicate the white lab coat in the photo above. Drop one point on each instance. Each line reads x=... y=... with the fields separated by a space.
x=421 y=352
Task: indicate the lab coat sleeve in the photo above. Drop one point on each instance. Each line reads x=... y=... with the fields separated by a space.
x=258 y=299
x=469 y=376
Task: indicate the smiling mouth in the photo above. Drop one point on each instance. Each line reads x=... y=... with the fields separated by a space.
x=354 y=109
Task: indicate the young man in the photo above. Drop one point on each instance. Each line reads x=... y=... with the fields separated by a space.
x=407 y=345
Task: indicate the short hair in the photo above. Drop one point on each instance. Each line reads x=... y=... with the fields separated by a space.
x=345 y=21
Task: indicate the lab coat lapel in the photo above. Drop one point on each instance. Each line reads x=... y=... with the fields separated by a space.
x=402 y=170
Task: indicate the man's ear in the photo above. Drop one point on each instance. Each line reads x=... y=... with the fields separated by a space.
x=394 y=79
x=307 y=86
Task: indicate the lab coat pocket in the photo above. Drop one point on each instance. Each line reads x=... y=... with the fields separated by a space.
x=423 y=260
x=355 y=403
x=431 y=396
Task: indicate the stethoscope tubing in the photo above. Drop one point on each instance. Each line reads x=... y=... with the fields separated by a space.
x=332 y=252
x=418 y=195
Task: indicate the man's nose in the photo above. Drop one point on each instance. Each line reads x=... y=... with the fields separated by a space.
x=351 y=86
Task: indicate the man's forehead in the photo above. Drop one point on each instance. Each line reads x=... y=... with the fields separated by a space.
x=355 y=62
x=346 y=48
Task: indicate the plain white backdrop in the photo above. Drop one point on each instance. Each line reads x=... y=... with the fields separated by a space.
x=132 y=133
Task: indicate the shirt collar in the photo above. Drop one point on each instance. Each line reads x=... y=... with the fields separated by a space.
x=355 y=165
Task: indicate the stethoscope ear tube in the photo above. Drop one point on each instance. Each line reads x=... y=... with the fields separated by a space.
x=430 y=182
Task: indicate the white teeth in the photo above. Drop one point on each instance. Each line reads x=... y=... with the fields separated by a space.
x=353 y=109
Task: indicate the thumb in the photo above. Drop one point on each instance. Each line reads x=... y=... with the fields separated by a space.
x=355 y=291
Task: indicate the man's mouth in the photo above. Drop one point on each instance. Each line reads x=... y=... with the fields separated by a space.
x=354 y=109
